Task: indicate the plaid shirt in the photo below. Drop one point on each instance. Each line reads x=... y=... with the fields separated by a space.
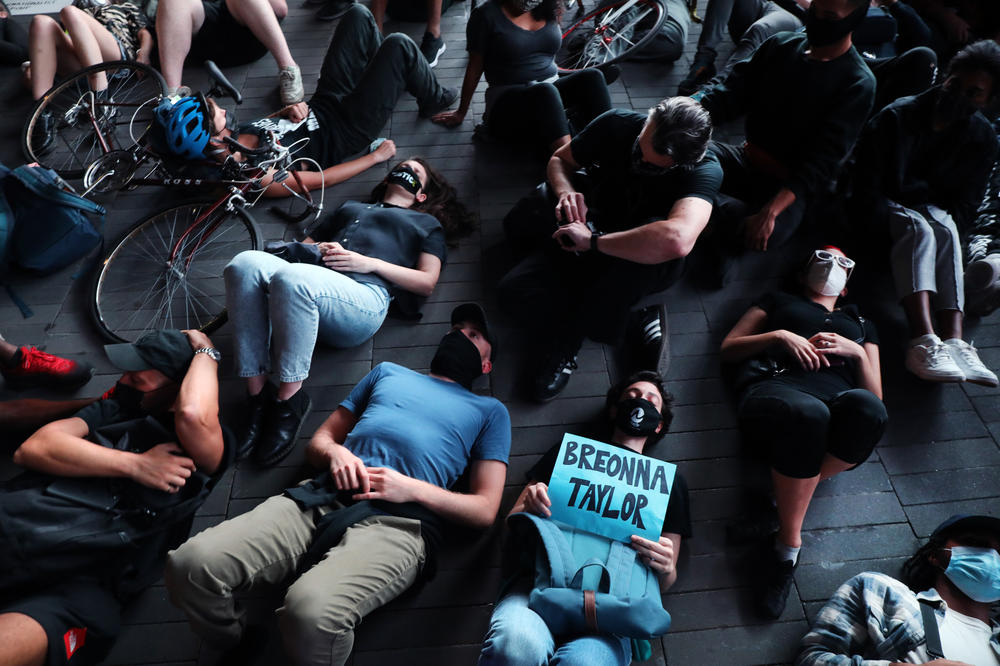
x=872 y=620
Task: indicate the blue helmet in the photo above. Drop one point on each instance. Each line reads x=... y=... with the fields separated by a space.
x=185 y=126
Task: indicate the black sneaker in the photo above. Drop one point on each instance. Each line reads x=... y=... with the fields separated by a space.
x=651 y=351
x=774 y=587
x=282 y=422
x=333 y=10
x=447 y=98
x=702 y=70
x=43 y=133
x=610 y=72
x=554 y=375
x=254 y=420
x=432 y=47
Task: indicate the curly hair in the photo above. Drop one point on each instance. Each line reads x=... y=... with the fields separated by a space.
x=918 y=572
x=614 y=396
x=441 y=202
x=984 y=56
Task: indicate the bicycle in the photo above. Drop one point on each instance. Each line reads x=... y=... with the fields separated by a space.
x=608 y=32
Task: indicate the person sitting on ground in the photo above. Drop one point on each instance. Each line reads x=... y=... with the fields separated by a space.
x=66 y=609
x=29 y=367
x=982 y=250
x=228 y=32
x=956 y=23
x=874 y=618
x=361 y=257
x=360 y=81
x=922 y=165
x=518 y=635
x=13 y=39
x=514 y=42
x=369 y=526
x=432 y=45
x=795 y=143
x=621 y=229
x=810 y=399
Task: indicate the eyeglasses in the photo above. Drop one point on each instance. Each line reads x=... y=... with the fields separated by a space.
x=826 y=255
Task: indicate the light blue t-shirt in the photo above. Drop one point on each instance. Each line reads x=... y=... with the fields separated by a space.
x=423 y=427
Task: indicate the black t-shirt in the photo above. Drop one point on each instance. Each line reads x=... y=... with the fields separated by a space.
x=623 y=199
x=678 y=517
x=806 y=318
x=321 y=145
x=511 y=54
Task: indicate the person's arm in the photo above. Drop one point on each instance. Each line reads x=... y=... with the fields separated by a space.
x=473 y=72
x=867 y=369
x=33 y=413
x=534 y=498
x=420 y=280
x=477 y=508
x=660 y=556
x=196 y=415
x=145 y=50
x=651 y=243
x=969 y=195
x=731 y=98
x=911 y=30
x=760 y=225
x=313 y=180
x=746 y=340
x=571 y=206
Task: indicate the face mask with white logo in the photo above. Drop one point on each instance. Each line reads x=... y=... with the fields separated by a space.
x=637 y=417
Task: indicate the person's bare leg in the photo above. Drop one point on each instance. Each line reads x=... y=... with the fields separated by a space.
x=287 y=389
x=48 y=48
x=92 y=43
x=377 y=9
x=30 y=414
x=256 y=384
x=7 y=350
x=792 y=497
x=560 y=142
x=950 y=323
x=832 y=466
x=434 y=17
x=22 y=641
x=917 y=307
x=259 y=17
x=177 y=21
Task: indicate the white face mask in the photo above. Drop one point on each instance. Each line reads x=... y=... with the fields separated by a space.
x=826 y=277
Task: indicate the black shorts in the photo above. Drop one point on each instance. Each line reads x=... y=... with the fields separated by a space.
x=81 y=620
x=223 y=40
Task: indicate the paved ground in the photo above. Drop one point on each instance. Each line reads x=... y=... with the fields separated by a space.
x=940 y=455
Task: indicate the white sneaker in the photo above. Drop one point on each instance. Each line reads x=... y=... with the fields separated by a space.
x=933 y=362
x=966 y=358
x=290 y=85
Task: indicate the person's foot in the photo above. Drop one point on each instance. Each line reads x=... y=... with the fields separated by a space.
x=256 y=407
x=432 y=47
x=982 y=283
x=651 y=349
x=43 y=133
x=610 y=72
x=702 y=69
x=333 y=10
x=282 y=422
x=31 y=368
x=930 y=360
x=775 y=584
x=555 y=372
x=967 y=359
x=252 y=644
x=104 y=108
x=290 y=85
x=448 y=97
x=178 y=91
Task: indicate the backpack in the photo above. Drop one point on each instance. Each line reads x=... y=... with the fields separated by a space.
x=587 y=583
x=55 y=528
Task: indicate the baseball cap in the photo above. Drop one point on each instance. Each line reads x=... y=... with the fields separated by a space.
x=474 y=314
x=964 y=522
x=166 y=351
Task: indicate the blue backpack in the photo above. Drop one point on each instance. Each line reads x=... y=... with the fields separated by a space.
x=589 y=583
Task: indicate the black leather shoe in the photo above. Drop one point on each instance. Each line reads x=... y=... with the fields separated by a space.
x=43 y=133
x=775 y=585
x=282 y=422
x=553 y=377
x=254 y=420
x=651 y=350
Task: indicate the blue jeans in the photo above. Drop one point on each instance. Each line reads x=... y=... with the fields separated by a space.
x=293 y=305
x=519 y=637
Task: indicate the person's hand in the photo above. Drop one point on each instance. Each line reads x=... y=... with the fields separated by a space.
x=345 y=261
x=295 y=112
x=449 y=118
x=197 y=339
x=388 y=485
x=163 y=467
x=536 y=500
x=571 y=208
x=347 y=470
x=759 y=228
x=832 y=344
x=955 y=27
x=573 y=237
x=803 y=351
x=946 y=662
x=657 y=555
x=142 y=56
x=385 y=151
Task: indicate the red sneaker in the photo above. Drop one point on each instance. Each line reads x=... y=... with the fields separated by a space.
x=33 y=368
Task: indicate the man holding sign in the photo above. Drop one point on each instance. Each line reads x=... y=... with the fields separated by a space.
x=638 y=412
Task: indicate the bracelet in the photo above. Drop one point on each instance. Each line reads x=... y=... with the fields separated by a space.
x=593 y=240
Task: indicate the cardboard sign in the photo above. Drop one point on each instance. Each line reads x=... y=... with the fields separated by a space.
x=609 y=490
x=36 y=6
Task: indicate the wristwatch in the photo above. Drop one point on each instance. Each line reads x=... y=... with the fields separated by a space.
x=211 y=352
x=594 y=235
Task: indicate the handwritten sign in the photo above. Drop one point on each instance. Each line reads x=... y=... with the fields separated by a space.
x=36 y=6
x=609 y=490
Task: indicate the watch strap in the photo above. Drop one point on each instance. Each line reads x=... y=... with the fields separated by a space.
x=211 y=352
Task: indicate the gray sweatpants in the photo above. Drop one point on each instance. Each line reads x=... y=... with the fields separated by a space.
x=376 y=560
x=926 y=255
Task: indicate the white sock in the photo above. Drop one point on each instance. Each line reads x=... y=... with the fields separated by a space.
x=786 y=553
x=929 y=340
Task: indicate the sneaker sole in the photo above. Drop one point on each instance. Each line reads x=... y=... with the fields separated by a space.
x=982 y=382
x=23 y=383
x=281 y=454
x=433 y=63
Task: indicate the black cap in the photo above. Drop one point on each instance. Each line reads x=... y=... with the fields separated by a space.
x=964 y=522
x=474 y=314
x=166 y=351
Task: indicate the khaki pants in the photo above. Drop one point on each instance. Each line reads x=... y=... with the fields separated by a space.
x=375 y=561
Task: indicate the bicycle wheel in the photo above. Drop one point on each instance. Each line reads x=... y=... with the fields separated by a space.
x=71 y=126
x=609 y=32
x=166 y=271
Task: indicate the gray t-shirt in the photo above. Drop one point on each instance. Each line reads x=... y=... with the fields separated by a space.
x=511 y=55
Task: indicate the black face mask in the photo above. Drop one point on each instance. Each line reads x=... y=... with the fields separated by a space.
x=637 y=417
x=457 y=358
x=641 y=167
x=823 y=31
x=405 y=177
x=128 y=397
x=953 y=108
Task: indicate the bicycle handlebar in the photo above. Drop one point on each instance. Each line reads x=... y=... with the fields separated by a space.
x=222 y=84
x=245 y=150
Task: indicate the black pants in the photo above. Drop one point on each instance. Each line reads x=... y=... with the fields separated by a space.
x=548 y=111
x=797 y=428
x=13 y=42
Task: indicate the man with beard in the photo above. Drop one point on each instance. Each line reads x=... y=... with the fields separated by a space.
x=364 y=530
x=922 y=166
x=623 y=204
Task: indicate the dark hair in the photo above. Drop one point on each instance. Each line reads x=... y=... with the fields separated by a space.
x=918 y=573
x=983 y=55
x=549 y=10
x=666 y=411
x=683 y=129
x=441 y=202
